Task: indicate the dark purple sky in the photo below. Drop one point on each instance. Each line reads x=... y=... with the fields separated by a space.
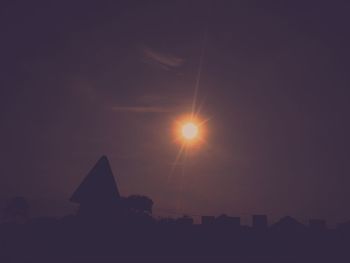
x=79 y=80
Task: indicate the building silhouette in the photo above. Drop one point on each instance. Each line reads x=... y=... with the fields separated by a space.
x=115 y=228
x=98 y=194
x=208 y=220
x=259 y=222
x=288 y=223
x=228 y=221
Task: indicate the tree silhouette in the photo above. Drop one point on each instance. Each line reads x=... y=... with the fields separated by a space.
x=139 y=204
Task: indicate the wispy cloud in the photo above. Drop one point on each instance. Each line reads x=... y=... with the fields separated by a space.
x=150 y=103
x=141 y=109
x=166 y=61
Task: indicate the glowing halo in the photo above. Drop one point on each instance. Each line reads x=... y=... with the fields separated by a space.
x=189 y=130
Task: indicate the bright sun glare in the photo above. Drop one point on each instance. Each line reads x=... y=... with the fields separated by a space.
x=189 y=131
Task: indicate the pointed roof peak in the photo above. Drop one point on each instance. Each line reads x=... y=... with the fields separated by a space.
x=98 y=186
x=103 y=158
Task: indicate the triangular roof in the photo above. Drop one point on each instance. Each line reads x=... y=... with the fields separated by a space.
x=98 y=186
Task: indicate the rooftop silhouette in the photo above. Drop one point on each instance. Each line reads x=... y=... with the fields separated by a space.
x=109 y=226
x=99 y=185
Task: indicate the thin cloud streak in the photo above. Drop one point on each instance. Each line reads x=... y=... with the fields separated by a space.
x=141 y=109
x=166 y=61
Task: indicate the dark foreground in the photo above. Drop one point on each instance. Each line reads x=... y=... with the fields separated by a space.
x=72 y=239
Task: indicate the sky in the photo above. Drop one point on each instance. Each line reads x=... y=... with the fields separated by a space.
x=85 y=79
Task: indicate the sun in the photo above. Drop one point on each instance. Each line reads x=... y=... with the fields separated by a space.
x=189 y=131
